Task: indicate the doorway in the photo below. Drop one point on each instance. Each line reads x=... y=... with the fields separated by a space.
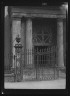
x=44 y=45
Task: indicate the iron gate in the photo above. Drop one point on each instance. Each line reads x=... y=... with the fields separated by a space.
x=43 y=67
x=45 y=62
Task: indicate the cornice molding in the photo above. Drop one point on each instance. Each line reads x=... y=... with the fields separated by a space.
x=20 y=15
x=43 y=13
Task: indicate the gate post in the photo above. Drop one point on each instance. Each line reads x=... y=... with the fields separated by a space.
x=18 y=63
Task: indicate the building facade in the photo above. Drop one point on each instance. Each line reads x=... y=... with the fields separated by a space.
x=42 y=30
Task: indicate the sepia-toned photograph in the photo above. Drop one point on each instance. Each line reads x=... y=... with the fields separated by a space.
x=35 y=47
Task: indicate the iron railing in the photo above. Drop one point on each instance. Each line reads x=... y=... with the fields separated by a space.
x=38 y=64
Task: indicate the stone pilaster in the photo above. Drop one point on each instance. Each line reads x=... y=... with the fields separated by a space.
x=60 y=56
x=23 y=41
x=29 y=40
x=16 y=29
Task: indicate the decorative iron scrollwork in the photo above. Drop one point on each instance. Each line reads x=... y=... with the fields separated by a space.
x=42 y=38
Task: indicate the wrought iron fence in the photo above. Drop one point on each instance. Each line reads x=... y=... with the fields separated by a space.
x=37 y=64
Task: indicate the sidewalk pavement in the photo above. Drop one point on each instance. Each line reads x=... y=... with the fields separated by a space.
x=52 y=84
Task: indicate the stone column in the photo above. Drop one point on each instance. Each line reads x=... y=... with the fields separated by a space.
x=16 y=29
x=23 y=29
x=29 y=41
x=60 y=56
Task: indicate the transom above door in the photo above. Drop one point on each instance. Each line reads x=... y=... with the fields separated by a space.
x=42 y=32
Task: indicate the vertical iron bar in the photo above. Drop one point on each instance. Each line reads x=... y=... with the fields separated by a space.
x=42 y=63
x=53 y=62
x=15 y=68
x=28 y=58
x=49 y=55
x=37 y=63
x=45 y=56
